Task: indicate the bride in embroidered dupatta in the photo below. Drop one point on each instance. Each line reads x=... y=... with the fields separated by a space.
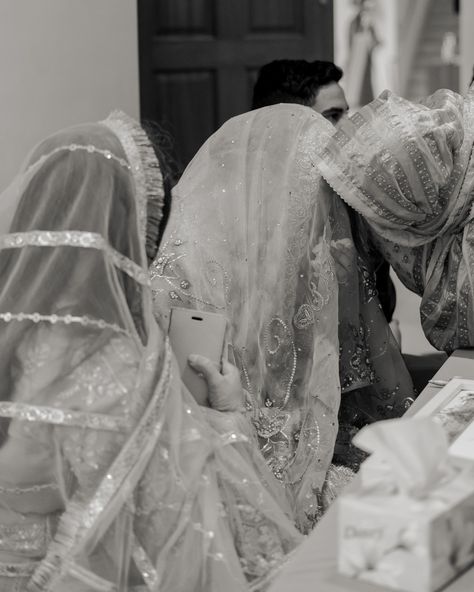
x=111 y=476
x=254 y=234
x=408 y=169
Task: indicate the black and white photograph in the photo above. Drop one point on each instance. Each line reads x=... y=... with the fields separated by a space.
x=236 y=295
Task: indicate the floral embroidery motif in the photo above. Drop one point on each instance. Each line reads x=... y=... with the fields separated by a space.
x=304 y=317
x=270 y=422
x=258 y=544
x=320 y=289
x=355 y=356
x=166 y=267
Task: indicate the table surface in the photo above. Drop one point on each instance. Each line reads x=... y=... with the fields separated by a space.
x=313 y=567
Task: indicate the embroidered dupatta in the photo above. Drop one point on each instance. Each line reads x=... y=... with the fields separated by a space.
x=408 y=169
x=254 y=234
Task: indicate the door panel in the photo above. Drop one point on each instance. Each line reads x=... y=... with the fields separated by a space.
x=183 y=17
x=181 y=96
x=199 y=58
x=276 y=16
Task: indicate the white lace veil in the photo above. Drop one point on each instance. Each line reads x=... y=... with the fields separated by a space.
x=74 y=279
x=68 y=258
x=153 y=493
x=248 y=236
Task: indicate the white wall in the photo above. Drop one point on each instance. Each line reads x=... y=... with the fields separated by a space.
x=466 y=38
x=385 y=67
x=62 y=62
x=407 y=313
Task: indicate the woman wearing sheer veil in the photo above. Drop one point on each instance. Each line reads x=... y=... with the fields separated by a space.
x=255 y=235
x=111 y=476
x=407 y=168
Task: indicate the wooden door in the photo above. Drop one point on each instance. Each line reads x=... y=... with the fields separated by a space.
x=199 y=58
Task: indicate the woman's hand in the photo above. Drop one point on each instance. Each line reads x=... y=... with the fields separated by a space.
x=225 y=392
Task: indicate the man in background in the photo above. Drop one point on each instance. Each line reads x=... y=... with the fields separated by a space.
x=314 y=84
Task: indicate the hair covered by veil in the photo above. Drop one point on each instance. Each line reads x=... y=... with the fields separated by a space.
x=67 y=258
x=249 y=237
x=141 y=487
x=74 y=292
x=408 y=169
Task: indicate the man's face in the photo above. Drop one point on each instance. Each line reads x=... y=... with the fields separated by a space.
x=331 y=102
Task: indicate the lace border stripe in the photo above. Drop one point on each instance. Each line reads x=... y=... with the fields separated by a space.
x=86 y=148
x=75 y=238
x=52 y=415
x=86 y=321
x=144 y=165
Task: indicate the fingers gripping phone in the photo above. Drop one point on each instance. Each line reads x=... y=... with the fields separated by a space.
x=196 y=332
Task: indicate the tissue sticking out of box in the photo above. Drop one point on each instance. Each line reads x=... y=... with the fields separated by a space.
x=409 y=454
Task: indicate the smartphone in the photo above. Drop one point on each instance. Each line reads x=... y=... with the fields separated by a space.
x=196 y=332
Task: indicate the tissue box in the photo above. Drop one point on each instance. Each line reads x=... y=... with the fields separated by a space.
x=415 y=545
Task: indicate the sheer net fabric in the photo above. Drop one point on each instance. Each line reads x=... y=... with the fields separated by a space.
x=250 y=237
x=375 y=382
x=111 y=477
x=407 y=168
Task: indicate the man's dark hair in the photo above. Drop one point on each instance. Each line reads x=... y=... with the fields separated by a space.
x=292 y=81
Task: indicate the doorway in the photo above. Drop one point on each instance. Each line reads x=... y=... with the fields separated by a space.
x=199 y=58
